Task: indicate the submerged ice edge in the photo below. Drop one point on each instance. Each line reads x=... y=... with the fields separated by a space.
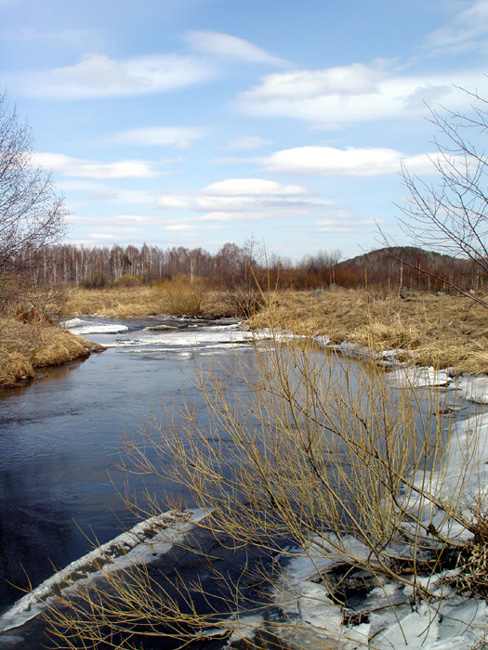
x=142 y=544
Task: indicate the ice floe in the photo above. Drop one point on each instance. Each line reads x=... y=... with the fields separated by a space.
x=142 y=544
x=84 y=327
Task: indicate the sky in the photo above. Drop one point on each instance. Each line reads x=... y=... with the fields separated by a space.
x=199 y=122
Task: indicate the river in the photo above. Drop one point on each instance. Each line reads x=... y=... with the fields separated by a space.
x=61 y=438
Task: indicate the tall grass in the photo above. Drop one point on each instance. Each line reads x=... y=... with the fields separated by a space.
x=434 y=330
x=180 y=296
x=167 y=297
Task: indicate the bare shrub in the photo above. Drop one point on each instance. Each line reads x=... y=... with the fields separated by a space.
x=315 y=457
x=128 y=280
x=96 y=281
x=244 y=302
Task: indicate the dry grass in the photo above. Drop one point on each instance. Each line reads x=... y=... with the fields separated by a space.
x=26 y=347
x=442 y=331
x=175 y=298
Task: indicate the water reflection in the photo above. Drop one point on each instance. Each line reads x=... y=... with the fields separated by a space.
x=60 y=443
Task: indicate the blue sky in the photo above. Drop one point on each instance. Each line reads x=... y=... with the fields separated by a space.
x=197 y=122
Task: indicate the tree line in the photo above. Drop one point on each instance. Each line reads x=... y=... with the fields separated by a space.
x=389 y=268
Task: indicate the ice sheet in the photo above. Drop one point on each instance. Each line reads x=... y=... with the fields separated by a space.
x=84 y=327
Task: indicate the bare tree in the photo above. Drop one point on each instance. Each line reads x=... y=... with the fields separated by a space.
x=32 y=214
x=451 y=215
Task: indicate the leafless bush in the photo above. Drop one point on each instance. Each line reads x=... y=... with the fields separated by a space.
x=312 y=457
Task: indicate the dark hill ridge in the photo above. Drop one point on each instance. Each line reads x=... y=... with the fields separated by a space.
x=396 y=254
x=408 y=266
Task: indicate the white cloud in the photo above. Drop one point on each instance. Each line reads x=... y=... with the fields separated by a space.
x=142 y=220
x=67 y=166
x=173 y=203
x=228 y=46
x=172 y=136
x=329 y=161
x=97 y=75
x=356 y=93
x=244 y=199
x=467 y=31
x=248 y=143
x=253 y=187
x=116 y=230
x=344 y=223
x=352 y=79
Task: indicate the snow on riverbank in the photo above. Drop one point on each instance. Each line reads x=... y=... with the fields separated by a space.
x=173 y=335
x=84 y=327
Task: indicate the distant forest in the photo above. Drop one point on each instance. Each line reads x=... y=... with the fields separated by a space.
x=386 y=268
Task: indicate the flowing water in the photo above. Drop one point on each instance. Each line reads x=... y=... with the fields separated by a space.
x=61 y=438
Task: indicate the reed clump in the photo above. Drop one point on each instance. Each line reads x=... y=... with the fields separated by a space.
x=179 y=296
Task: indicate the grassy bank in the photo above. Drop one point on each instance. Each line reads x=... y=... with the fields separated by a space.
x=437 y=330
x=25 y=348
x=176 y=297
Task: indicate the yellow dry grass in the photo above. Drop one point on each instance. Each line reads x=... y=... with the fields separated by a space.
x=176 y=297
x=441 y=331
x=26 y=347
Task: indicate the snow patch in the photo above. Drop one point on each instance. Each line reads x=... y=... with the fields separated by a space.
x=418 y=377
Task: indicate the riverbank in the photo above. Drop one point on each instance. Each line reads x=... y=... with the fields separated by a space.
x=27 y=348
x=427 y=329
x=441 y=331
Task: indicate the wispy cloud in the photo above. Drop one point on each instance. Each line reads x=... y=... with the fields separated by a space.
x=329 y=161
x=77 y=167
x=97 y=76
x=355 y=93
x=83 y=40
x=244 y=199
x=170 y=136
x=228 y=46
x=344 y=222
x=248 y=143
x=466 y=31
